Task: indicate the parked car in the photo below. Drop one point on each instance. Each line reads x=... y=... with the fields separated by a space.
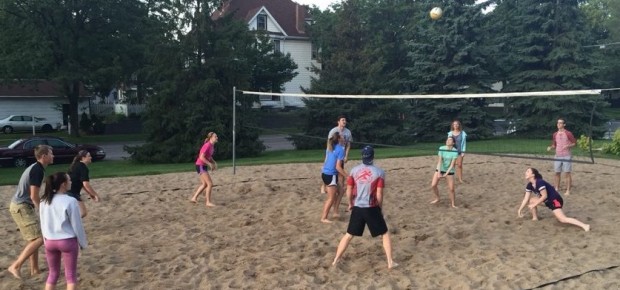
x=21 y=152
x=503 y=127
x=24 y=123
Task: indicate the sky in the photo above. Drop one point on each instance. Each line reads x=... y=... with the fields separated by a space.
x=321 y=3
x=324 y=3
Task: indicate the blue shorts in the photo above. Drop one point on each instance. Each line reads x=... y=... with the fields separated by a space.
x=200 y=169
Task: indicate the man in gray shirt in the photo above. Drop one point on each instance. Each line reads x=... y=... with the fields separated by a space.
x=24 y=210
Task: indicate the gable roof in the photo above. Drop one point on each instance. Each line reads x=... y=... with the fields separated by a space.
x=289 y=15
x=33 y=88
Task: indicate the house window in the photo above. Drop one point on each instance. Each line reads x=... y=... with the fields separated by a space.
x=261 y=22
x=276 y=46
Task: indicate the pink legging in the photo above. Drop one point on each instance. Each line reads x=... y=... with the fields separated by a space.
x=68 y=249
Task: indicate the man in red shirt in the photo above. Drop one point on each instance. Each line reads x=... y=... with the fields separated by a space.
x=562 y=141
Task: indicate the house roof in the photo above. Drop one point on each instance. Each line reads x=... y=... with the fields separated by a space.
x=33 y=88
x=289 y=15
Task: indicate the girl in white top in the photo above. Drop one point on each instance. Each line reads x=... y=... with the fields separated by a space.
x=62 y=229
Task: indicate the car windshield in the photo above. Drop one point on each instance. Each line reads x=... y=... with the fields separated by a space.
x=14 y=144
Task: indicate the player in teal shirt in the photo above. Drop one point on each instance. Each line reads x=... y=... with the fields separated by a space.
x=446 y=159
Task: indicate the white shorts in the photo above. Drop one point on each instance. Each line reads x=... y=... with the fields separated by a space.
x=563 y=164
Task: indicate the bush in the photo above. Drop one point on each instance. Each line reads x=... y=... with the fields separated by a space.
x=584 y=143
x=85 y=123
x=614 y=146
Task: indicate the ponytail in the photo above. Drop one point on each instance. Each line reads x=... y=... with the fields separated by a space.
x=52 y=185
x=77 y=159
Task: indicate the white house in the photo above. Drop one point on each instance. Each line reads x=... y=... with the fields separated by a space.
x=38 y=98
x=285 y=21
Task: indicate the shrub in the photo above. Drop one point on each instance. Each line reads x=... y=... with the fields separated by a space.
x=614 y=146
x=584 y=143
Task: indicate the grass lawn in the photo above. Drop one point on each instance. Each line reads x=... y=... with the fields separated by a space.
x=107 y=168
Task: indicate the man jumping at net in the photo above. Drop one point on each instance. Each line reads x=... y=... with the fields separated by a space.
x=562 y=141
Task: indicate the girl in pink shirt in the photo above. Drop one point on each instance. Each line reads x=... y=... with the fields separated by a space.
x=204 y=163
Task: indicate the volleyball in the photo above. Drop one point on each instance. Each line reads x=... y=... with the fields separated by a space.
x=436 y=13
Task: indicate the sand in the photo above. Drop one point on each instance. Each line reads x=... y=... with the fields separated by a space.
x=266 y=232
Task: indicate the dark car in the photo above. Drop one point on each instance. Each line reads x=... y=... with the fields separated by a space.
x=21 y=152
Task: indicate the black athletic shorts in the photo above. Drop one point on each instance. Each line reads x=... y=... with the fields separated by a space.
x=329 y=180
x=371 y=216
x=554 y=204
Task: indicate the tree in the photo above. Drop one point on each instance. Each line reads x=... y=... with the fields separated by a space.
x=193 y=73
x=448 y=57
x=77 y=44
x=361 y=52
x=546 y=52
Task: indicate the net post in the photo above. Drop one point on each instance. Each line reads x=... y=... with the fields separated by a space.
x=234 y=122
x=590 y=133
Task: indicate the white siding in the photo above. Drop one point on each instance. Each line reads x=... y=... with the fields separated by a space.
x=301 y=53
x=49 y=108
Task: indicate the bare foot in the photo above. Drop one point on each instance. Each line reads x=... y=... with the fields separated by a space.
x=461 y=181
x=210 y=204
x=35 y=272
x=587 y=228
x=392 y=265
x=336 y=215
x=567 y=192
x=15 y=272
x=454 y=206
x=534 y=218
x=193 y=200
x=434 y=201
x=326 y=221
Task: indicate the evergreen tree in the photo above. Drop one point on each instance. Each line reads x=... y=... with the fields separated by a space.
x=361 y=52
x=193 y=75
x=547 y=53
x=448 y=57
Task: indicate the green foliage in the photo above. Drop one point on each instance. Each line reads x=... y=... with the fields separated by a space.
x=584 y=143
x=77 y=44
x=193 y=74
x=449 y=58
x=85 y=123
x=614 y=146
x=543 y=48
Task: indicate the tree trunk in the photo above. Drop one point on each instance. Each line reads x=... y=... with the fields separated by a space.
x=72 y=90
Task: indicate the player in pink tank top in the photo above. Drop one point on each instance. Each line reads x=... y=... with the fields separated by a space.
x=204 y=163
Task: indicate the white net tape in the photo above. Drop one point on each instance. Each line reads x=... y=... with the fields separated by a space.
x=442 y=96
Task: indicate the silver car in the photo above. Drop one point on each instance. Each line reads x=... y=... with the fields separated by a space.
x=24 y=123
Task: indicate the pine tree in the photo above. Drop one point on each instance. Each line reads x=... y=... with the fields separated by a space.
x=448 y=58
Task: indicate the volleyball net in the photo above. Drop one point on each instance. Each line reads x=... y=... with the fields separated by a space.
x=504 y=130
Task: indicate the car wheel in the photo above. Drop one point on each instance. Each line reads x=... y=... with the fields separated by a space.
x=7 y=129
x=20 y=162
x=46 y=128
